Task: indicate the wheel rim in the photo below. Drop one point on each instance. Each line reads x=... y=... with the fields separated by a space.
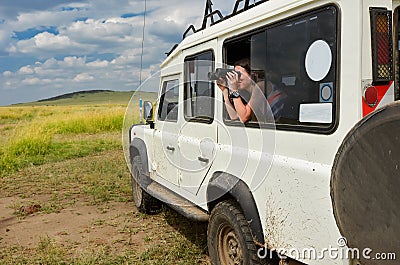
x=229 y=248
x=137 y=190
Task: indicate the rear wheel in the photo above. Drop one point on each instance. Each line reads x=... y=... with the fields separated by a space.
x=365 y=184
x=144 y=202
x=229 y=236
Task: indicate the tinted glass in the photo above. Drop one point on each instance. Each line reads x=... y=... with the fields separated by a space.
x=301 y=62
x=294 y=65
x=199 y=92
x=168 y=110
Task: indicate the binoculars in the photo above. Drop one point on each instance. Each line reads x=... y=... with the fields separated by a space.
x=220 y=72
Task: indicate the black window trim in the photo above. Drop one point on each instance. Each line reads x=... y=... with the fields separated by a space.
x=206 y=120
x=311 y=128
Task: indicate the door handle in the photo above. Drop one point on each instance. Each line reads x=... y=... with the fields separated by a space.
x=170 y=148
x=203 y=159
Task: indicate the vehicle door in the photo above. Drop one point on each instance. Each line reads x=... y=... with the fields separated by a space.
x=198 y=130
x=166 y=157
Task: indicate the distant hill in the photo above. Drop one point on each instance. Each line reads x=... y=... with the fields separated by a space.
x=71 y=95
x=91 y=97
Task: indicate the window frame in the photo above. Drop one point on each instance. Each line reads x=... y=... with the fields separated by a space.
x=185 y=82
x=312 y=127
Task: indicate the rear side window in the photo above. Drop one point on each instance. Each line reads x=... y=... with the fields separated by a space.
x=199 y=92
x=294 y=64
x=168 y=109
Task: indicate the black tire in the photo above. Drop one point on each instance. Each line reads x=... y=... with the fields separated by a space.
x=144 y=202
x=365 y=185
x=229 y=230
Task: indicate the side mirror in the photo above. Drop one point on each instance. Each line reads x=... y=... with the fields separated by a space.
x=148 y=111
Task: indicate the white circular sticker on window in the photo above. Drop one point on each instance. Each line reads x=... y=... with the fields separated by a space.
x=318 y=60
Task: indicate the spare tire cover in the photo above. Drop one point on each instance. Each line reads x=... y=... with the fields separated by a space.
x=365 y=186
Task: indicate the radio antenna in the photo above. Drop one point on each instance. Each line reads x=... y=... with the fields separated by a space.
x=141 y=55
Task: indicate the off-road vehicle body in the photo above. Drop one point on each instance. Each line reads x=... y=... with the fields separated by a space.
x=278 y=184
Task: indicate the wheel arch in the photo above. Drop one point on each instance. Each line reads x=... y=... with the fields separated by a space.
x=138 y=148
x=224 y=186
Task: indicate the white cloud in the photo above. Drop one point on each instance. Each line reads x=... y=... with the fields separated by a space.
x=5 y=35
x=83 y=77
x=43 y=18
x=99 y=29
x=36 y=81
x=126 y=59
x=70 y=71
x=7 y=73
x=47 y=43
x=26 y=70
x=91 y=46
x=73 y=61
x=98 y=64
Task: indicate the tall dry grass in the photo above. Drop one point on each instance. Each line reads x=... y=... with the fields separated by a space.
x=34 y=135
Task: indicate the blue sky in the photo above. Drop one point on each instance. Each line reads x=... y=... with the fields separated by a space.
x=48 y=48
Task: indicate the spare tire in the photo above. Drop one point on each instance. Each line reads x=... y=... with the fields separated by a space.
x=365 y=186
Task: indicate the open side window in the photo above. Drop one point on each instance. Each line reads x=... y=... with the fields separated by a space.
x=294 y=63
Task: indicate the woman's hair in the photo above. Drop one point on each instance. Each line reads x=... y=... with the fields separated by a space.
x=245 y=63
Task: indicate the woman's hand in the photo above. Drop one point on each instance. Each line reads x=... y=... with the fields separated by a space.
x=221 y=83
x=233 y=80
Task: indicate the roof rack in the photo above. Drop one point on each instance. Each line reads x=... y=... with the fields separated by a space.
x=172 y=49
x=246 y=6
x=210 y=14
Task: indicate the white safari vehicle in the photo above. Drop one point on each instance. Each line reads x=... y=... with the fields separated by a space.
x=318 y=184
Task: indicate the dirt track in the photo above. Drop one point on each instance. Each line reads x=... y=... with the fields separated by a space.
x=67 y=210
x=80 y=223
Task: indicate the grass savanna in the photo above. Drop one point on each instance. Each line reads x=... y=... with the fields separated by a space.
x=65 y=190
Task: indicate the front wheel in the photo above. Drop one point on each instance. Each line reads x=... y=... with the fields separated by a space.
x=229 y=236
x=144 y=202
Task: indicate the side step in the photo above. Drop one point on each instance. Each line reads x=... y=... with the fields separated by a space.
x=176 y=202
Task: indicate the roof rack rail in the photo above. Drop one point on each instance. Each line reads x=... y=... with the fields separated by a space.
x=190 y=28
x=209 y=14
x=245 y=7
x=172 y=49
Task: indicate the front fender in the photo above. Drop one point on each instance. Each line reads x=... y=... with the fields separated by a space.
x=222 y=185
